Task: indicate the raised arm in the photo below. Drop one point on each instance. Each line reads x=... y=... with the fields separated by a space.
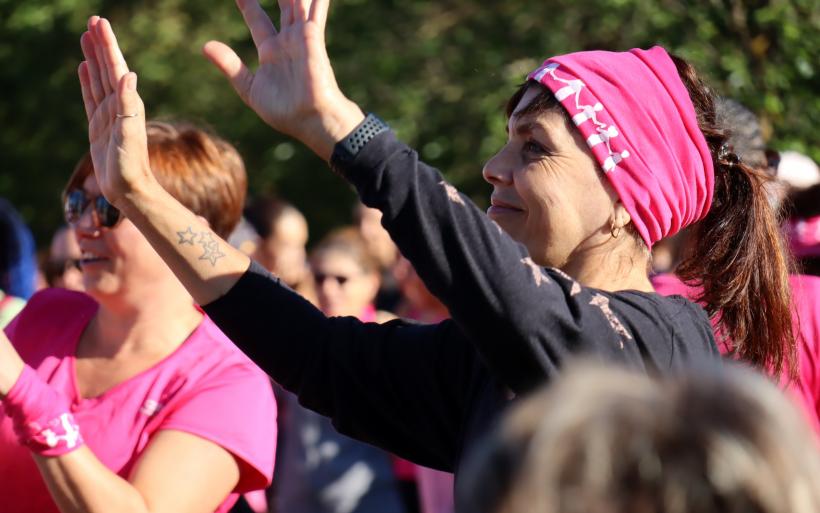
x=293 y=89
x=336 y=366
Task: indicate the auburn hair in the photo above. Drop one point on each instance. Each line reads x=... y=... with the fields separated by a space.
x=201 y=170
x=738 y=257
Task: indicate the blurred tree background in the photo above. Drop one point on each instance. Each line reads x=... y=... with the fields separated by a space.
x=438 y=71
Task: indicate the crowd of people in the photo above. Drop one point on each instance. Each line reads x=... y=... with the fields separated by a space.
x=633 y=324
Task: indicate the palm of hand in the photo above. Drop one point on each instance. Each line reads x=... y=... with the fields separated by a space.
x=117 y=157
x=294 y=79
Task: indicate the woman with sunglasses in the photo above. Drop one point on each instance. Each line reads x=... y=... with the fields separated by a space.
x=607 y=153
x=129 y=398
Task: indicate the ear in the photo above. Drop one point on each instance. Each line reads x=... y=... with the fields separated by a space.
x=620 y=216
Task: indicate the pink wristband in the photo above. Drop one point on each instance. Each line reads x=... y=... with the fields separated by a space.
x=42 y=417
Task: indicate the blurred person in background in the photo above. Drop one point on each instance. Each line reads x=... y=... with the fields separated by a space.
x=605 y=440
x=282 y=246
x=802 y=213
x=796 y=170
x=17 y=275
x=62 y=266
x=244 y=237
x=128 y=398
x=320 y=470
x=435 y=488
x=382 y=247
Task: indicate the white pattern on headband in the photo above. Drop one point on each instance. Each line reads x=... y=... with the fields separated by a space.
x=585 y=113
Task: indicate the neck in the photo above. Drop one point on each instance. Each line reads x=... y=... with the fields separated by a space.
x=155 y=326
x=610 y=268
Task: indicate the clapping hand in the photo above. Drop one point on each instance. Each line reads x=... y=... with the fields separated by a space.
x=294 y=89
x=116 y=114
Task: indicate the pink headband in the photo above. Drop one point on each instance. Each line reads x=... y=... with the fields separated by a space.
x=639 y=122
x=804 y=236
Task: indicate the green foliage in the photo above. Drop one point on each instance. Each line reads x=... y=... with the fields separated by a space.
x=438 y=71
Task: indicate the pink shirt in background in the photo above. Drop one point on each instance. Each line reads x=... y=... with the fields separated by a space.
x=806 y=324
x=207 y=387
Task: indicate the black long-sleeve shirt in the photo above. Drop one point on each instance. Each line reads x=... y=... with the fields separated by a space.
x=426 y=392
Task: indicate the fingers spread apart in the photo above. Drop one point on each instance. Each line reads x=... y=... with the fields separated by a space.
x=231 y=66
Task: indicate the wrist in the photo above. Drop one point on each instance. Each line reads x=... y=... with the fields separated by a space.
x=330 y=126
x=139 y=196
x=41 y=416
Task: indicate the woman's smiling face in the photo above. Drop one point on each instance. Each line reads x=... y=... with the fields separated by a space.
x=548 y=190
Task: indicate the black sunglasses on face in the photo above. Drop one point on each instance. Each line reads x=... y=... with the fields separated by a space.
x=77 y=201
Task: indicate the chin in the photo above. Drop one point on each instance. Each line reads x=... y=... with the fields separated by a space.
x=101 y=287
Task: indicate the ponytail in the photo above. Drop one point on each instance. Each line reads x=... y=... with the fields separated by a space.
x=738 y=258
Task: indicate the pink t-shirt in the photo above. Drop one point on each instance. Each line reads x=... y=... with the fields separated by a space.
x=207 y=387
x=805 y=323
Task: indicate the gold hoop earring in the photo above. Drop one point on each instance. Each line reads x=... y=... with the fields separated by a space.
x=615 y=231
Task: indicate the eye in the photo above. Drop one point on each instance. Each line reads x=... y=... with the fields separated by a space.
x=535 y=148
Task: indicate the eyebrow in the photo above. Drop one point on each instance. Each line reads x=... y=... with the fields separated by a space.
x=525 y=125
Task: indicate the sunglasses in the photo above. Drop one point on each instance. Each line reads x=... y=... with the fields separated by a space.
x=77 y=201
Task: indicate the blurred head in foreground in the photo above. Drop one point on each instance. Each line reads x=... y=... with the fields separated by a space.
x=604 y=440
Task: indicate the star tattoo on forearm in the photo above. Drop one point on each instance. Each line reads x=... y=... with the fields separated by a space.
x=210 y=246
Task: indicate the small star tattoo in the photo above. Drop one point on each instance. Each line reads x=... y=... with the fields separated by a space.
x=205 y=240
x=187 y=237
x=211 y=248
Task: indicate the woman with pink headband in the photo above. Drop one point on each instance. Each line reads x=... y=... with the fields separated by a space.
x=607 y=153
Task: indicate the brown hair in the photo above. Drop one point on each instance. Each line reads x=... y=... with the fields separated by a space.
x=607 y=440
x=348 y=241
x=264 y=212
x=201 y=170
x=738 y=256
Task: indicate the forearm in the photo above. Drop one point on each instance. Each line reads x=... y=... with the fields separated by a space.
x=462 y=256
x=205 y=264
x=80 y=483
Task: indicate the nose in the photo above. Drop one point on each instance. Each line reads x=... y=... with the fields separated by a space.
x=88 y=225
x=497 y=170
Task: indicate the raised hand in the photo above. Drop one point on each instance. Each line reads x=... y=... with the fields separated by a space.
x=116 y=114
x=294 y=89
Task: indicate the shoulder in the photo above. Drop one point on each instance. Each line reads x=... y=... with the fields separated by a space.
x=50 y=318
x=213 y=357
x=665 y=310
x=681 y=321
x=58 y=303
x=226 y=400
